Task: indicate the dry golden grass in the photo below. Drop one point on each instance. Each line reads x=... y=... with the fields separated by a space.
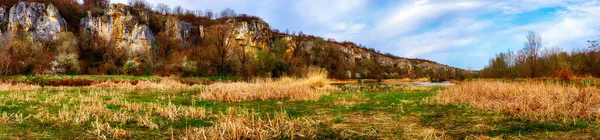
x=381 y=125
x=406 y=80
x=91 y=110
x=165 y=83
x=313 y=86
x=17 y=87
x=104 y=130
x=527 y=99
x=244 y=124
x=353 y=100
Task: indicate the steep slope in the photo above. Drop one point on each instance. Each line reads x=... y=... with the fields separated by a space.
x=258 y=33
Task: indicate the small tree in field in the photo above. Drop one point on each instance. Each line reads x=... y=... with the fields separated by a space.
x=531 y=52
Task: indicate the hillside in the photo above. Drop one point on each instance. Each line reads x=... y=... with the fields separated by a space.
x=65 y=37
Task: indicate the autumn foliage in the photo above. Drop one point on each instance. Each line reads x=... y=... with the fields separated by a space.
x=565 y=75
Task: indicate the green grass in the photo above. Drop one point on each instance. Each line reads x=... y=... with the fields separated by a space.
x=353 y=115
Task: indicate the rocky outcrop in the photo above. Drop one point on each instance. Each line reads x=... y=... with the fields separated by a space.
x=123 y=25
x=251 y=33
x=3 y=19
x=44 y=22
x=184 y=32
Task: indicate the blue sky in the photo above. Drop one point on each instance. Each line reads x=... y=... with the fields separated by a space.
x=460 y=33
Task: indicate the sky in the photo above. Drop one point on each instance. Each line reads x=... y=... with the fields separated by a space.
x=459 y=33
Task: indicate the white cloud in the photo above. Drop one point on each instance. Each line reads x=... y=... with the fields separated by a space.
x=457 y=34
x=407 y=18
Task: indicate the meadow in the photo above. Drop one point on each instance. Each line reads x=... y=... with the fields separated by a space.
x=293 y=108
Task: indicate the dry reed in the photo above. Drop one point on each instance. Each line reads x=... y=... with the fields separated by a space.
x=312 y=87
x=527 y=99
x=165 y=83
x=17 y=87
x=244 y=124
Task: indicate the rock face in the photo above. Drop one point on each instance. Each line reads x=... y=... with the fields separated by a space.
x=251 y=33
x=123 y=25
x=182 y=31
x=43 y=21
x=3 y=19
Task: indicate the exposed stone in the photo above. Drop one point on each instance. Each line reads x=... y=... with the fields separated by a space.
x=201 y=30
x=123 y=25
x=182 y=31
x=3 y=19
x=251 y=33
x=43 y=21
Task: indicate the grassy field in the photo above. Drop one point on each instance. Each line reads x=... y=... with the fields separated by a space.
x=165 y=109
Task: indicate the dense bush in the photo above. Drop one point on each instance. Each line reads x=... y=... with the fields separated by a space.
x=564 y=75
x=131 y=66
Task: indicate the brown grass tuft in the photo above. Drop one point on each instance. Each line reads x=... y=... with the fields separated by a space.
x=104 y=130
x=165 y=83
x=527 y=99
x=565 y=75
x=312 y=87
x=244 y=124
x=17 y=87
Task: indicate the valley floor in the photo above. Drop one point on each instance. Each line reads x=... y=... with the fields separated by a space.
x=352 y=112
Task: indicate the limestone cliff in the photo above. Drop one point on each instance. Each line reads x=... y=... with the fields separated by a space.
x=43 y=21
x=251 y=32
x=183 y=32
x=123 y=25
x=3 y=19
x=128 y=28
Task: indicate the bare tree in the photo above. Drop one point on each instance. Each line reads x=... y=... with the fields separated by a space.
x=243 y=55
x=531 y=51
x=300 y=44
x=222 y=45
x=228 y=13
x=178 y=10
x=141 y=4
x=594 y=45
x=96 y=3
x=209 y=14
x=163 y=9
x=199 y=13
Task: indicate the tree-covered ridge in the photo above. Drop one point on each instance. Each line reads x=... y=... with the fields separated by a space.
x=140 y=38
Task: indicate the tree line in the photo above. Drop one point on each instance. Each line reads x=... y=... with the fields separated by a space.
x=534 y=60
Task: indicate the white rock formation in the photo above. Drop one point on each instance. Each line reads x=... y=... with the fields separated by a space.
x=123 y=25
